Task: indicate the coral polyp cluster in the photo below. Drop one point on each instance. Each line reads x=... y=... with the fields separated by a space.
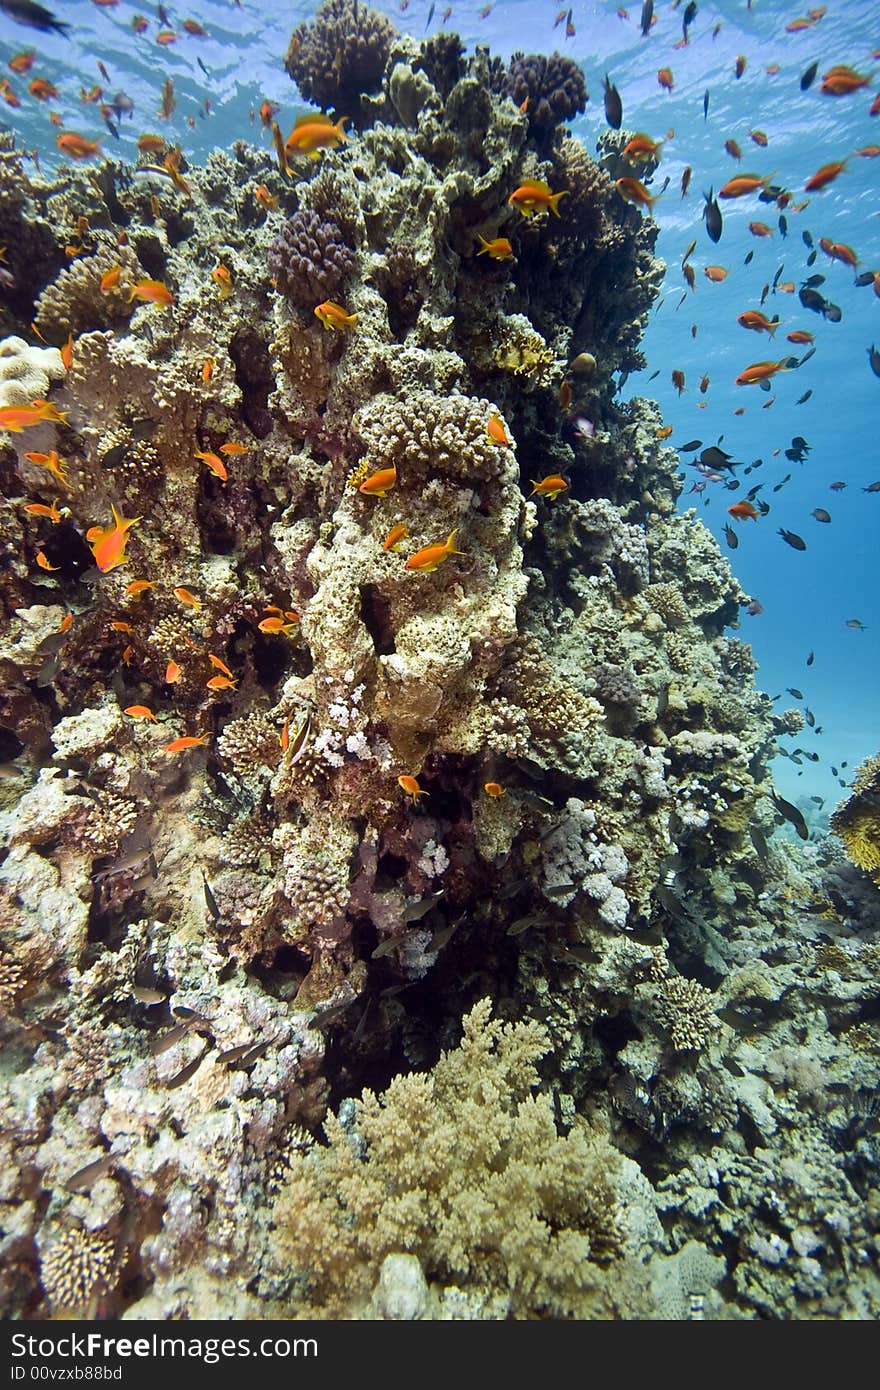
x=356 y=666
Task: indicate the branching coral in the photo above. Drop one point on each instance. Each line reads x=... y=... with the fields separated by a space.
x=857 y=820
x=464 y=1168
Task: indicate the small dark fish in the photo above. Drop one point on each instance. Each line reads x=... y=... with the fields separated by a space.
x=713 y=457
x=174 y=1035
x=796 y=694
x=613 y=105
x=110 y=124
x=796 y=542
x=144 y=995
x=874 y=359
x=791 y=814
x=690 y=447
x=206 y=71
x=712 y=217
x=818 y=801
x=835 y=772
x=430 y=17
x=856 y=626
x=114 y=456
x=535 y=802
x=755 y=608
x=777 y=487
x=733 y=484
x=414 y=912
x=872 y=487
x=443 y=936
x=85 y=1178
x=759 y=840
x=834 y=314
x=327 y=1016
x=811 y=658
x=812 y=300
x=144 y=429
x=807 y=239
x=811 y=720
x=189 y=1071
x=122 y=104
x=33 y=15
x=210 y=899
x=164 y=17
x=748 y=258
x=647 y=16
x=511 y=889
x=560 y=890
x=533 y=919
x=253 y=1054
x=234 y=1054
x=706 y=104
x=783 y=225
x=48 y=671
x=731 y=537
x=866 y=278
x=801 y=400
x=387 y=946
x=820 y=514
x=815 y=281
x=688 y=18
x=686 y=179
x=51 y=644
x=809 y=76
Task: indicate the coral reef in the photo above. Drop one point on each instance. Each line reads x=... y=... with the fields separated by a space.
x=362 y=729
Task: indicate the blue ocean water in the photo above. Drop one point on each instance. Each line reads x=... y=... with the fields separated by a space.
x=809 y=596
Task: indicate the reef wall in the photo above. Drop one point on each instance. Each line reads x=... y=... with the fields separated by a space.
x=205 y=945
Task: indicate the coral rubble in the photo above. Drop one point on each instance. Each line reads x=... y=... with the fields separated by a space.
x=365 y=729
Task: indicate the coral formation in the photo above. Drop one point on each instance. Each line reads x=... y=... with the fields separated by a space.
x=363 y=724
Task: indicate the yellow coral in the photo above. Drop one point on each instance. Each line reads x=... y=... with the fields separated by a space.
x=857 y=820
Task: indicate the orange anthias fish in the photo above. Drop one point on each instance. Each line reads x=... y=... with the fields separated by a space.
x=715 y=273
x=185 y=597
x=172 y=673
x=431 y=557
x=152 y=144
x=264 y=197
x=222 y=683
x=394 y=537
x=214 y=462
x=16 y=418
x=192 y=27
x=822 y=177
x=220 y=665
x=152 y=292
x=51 y=513
x=499 y=248
x=42 y=89
x=44 y=562
x=268 y=111
x=77 y=146
x=23 y=62
x=108 y=543
x=641 y=148
x=333 y=315
x=233 y=450
x=761 y=371
x=754 y=319
x=743 y=511
x=800 y=335
x=839 y=251
x=840 y=80
x=314 y=132
x=56 y=465
x=634 y=191
x=760 y=229
x=664 y=77
x=274 y=626
x=493 y=789
x=733 y=149
x=496 y=431
x=743 y=183
x=379 y=484
x=222 y=276
x=110 y=280
x=66 y=351
x=12 y=100
x=534 y=196
x=140 y=712
x=551 y=486
x=664 y=431
x=178 y=745
x=138 y=586
x=410 y=785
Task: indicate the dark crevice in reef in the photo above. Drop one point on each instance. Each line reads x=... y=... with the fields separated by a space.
x=253 y=374
x=376 y=616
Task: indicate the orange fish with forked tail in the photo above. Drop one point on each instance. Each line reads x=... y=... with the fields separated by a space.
x=379 y=484
x=431 y=557
x=314 y=132
x=77 y=146
x=762 y=371
x=108 y=543
x=533 y=196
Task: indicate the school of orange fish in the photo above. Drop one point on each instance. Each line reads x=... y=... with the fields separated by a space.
x=314 y=132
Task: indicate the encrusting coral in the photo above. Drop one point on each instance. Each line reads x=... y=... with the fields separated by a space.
x=409 y=684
